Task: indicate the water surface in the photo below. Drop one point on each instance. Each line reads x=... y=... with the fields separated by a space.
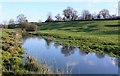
x=71 y=59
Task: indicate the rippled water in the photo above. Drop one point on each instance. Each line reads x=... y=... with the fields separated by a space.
x=71 y=59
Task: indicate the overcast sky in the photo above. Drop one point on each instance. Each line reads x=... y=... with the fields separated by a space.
x=36 y=10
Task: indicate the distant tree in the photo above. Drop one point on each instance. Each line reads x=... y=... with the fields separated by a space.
x=49 y=18
x=70 y=14
x=32 y=27
x=94 y=16
x=86 y=15
x=24 y=25
x=28 y=26
x=114 y=16
x=11 y=22
x=104 y=13
x=64 y=19
x=1 y=25
x=89 y=17
x=79 y=18
x=74 y=16
x=21 y=18
x=98 y=16
x=58 y=17
x=5 y=24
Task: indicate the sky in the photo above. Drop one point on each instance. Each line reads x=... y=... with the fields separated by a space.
x=36 y=10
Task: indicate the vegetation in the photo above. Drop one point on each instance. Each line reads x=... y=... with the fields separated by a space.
x=12 y=55
x=28 y=26
x=49 y=18
x=70 y=14
x=95 y=36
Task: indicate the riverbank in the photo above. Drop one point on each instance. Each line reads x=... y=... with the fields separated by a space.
x=96 y=36
x=12 y=55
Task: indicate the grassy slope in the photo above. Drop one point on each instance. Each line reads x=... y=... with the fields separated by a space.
x=88 y=35
x=12 y=55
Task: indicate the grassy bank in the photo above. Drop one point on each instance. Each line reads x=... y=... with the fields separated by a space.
x=97 y=36
x=12 y=54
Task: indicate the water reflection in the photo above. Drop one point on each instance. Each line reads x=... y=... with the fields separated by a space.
x=90 y=62
x=100 y=54
x=83 y=62
x=72 y=63
x=56 y=45
x=67 y=50
x=115 y=61
x=48 y=42
x=83 y=52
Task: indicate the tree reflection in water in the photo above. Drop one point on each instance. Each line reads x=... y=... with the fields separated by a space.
x=48 y=42
x=56 y=45
x=117 y=63
x=67 y=50
x=100 y=54
x=83 y=52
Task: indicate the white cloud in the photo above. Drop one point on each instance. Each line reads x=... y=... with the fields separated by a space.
x=72 y=63
x=91 y=62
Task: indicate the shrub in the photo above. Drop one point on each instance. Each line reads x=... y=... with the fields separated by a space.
x=24 y=25
x=32 y=27
x=28 y=26
x=11 y=26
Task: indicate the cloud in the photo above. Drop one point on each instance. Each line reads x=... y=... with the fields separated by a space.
x=72 y=63
x=91 y=62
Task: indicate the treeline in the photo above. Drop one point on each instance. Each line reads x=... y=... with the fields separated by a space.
x=21 y=22
x=70 y=14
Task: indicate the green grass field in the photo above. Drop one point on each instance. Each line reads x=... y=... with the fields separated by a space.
x=95 y=36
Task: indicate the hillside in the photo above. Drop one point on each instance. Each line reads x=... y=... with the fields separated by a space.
x=101 y=27
x=88 y=35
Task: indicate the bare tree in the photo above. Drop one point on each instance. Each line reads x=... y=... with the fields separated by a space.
x=104 y=13
x=11 y=22
x=21 y=18
x=86 y=15
x=58 y=17
x=94 y=16
x=49 y=18
x=98 y=16
x=74 y=15
x=70 y=14
x=5 y=24
x=114 y=16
